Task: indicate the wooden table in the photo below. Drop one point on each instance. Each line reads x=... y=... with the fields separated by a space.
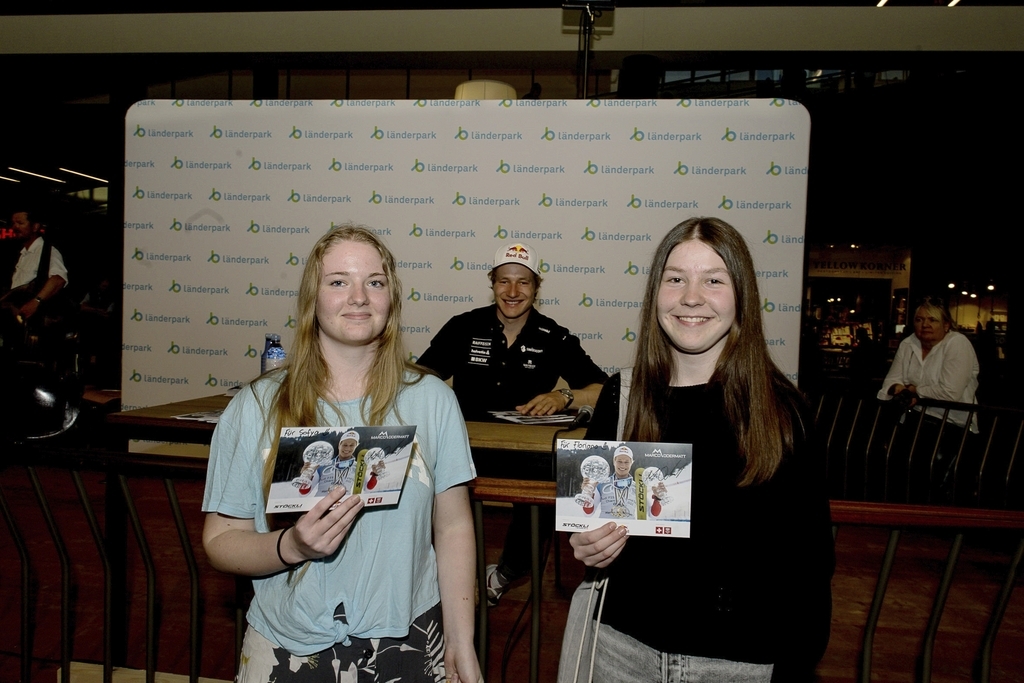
x=158 y=423
x=487 y=439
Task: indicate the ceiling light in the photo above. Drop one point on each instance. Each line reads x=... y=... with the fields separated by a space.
x=84 y=175
x=37 y=175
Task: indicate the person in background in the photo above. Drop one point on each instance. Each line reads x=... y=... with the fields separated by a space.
x=509 y=356
x=752 y=583
x=40 y=271
x=935 y=362
x=385 y=592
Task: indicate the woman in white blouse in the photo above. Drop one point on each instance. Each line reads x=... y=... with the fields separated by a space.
x=935 y=362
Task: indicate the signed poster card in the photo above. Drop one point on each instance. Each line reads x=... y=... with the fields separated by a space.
x=644 y=486
x=371 y=462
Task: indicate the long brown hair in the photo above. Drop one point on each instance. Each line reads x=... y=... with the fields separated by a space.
x=296 y=401
x=760 y=403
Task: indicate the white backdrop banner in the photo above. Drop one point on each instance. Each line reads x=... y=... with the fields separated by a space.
x=224 y=200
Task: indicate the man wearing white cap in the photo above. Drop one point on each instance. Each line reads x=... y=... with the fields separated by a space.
x=509 y=355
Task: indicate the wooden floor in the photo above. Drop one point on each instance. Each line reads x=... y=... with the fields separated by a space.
x=859 y=551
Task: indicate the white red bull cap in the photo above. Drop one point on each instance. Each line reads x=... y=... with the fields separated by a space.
x=518 y=252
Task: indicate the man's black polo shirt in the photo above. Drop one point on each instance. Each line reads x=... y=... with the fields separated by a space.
x=488 y=375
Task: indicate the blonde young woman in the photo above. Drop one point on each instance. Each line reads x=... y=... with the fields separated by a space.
x=747 y=597
x=347 y=594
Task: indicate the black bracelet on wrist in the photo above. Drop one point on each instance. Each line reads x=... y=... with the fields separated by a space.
x=280 y=536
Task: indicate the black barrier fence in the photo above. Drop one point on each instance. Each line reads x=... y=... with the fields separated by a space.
x=930 y=453
x=110 y=489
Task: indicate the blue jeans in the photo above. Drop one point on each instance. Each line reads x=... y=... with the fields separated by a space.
x=622 y=659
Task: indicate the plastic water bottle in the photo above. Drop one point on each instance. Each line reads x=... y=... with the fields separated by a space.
x=263 y=356
x=275 y=354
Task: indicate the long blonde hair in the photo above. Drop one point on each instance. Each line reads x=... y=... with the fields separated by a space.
x=296 y=401
x=760 y=403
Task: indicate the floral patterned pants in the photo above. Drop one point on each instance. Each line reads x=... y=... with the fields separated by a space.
x=416 y=658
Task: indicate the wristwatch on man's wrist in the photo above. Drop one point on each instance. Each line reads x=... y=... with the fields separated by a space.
x=568 y=397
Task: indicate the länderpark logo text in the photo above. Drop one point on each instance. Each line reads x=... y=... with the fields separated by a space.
x=181 y=164
x=779 y=307
x=188 y=226
x=338 y=166
x=673 y=204
x=215 y=319
x=371 y=104
x=235 y=259
x=256 y=290
x=634 y=269
x=531 y=235
x=505 y=168
x=415 y=265
x=140 y=163
x=459 y=264
x=138 y=316
x=295 y=260
x=602 y=236
x=728 y=204
x=208 y=104
x=574 y=202
x=594 y=169
x=588 y=302
x=421 y=231
x=276 y=229
x=141 y=193
x=217 y=133
x=140 y=255
x=447 y=104
x=380 y=232
x=458 y=169
x=137 y=286
x=137 y=376
x=190 y=288
x=415 y=295
x=212 y=381
x=631 y=104
x=641 y=135
x=386 y=134
x=184 y=349
x=717 y=104
x=178 y=133
x=226 y=196
x=474 y=200
x=696 y=170
x=321 y=134
x=463 y=134
x=292 y=166
x=731 y=135
x=377 y=198
x=775 y=238
x=570 y=268
x=772 y=274
x=133 y=225
x=295 y=197
x=587 y=336
x=551 y=135
x=775 y=170
x=544 y=104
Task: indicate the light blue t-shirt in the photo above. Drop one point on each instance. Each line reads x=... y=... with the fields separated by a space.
x=385 y=571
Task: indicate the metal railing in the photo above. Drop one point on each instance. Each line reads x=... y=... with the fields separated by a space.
x=118 y=507
x=122 y=469
x=875 y=451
